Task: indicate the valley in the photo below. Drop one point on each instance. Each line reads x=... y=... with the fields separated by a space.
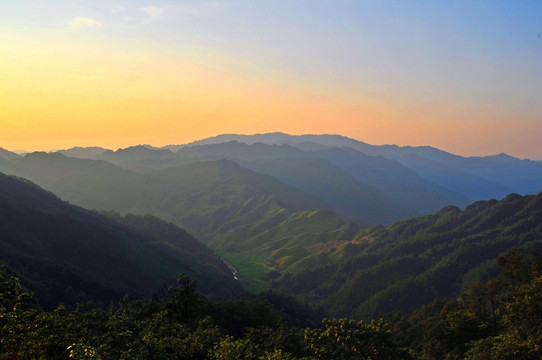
x=310 y=224
x=279 y=207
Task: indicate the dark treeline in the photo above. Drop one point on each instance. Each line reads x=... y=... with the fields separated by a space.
x=497 y=320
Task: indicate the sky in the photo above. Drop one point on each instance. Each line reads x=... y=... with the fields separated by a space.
x=462 y=76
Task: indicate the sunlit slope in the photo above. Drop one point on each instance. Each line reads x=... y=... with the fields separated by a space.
x=410 y=263
x=351 y=199
x=228 y=204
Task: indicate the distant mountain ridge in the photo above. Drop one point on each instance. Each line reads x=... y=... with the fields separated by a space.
x=8 y=155
x=487 y=169
x=495 y=175
x=83 y=152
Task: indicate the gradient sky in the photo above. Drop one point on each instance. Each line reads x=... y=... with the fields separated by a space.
x=463 y=76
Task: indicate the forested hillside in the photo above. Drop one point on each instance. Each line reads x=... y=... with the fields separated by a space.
x=313 y=214
x=497 y=320
x=67 y=254
x=229 y=207
x=407 y=264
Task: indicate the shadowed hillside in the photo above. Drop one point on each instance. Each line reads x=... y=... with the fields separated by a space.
x=65 y=253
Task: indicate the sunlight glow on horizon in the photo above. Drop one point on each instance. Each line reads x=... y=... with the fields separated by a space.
x=150 y=78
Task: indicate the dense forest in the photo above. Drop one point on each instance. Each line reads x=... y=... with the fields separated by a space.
x=496 y=320
x=409 y=263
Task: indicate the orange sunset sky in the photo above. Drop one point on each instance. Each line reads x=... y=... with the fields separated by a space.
x=462 y=76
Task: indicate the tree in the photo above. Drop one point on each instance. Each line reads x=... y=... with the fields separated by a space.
x=344 y=339
x=17 y=315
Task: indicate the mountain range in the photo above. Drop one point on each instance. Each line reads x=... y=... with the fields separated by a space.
x=463 y=179
x=322 y=216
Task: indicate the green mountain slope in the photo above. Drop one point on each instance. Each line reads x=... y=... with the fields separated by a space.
x=351 y=199
x=212 y=197
x=410 y=263
x=69 y=254
x=88 y=183
x=361 y=188
x=223 y=204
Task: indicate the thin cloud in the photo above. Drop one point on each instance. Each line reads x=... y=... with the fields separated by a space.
x=202 y=9
x=116 y=9
x=83 y=23
x=153 y=12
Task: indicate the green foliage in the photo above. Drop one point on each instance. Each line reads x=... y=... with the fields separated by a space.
x=496 y=320
x=230 y=348
x=182 y=325
x=82 y=352
x=17 y=314
x=345 y=339
x=411 y=263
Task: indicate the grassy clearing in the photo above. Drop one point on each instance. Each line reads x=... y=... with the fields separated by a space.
x=251 y=269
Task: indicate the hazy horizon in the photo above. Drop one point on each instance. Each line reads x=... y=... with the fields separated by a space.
x=25 y=151
x=460 y=76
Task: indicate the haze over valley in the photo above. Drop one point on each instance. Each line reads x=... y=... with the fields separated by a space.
x=356 y=229
x=275 y=204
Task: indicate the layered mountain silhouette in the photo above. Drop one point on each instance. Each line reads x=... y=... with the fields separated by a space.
x=299 y=212
x=422 y=179
x=7 y=155
x=476 y=177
